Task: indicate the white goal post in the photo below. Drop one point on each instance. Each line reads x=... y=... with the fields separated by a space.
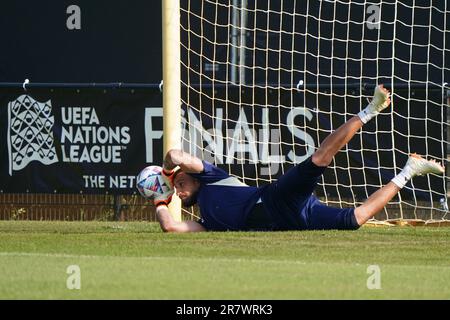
x=171 y=86
x=264 y=82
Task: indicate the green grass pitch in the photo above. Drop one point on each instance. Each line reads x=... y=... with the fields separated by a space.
x=135 y=260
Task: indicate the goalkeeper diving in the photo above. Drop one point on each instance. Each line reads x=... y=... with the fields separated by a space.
x=287 y=204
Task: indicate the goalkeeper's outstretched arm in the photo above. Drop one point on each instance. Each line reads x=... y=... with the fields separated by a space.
x=188 y=164
x=185 y=161
x=168 y=224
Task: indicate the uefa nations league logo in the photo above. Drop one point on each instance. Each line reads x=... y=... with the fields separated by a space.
x=30 y=135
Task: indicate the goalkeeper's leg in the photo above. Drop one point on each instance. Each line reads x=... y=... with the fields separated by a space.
x=416 y=166
x=336 y=140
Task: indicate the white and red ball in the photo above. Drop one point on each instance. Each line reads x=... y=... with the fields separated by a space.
x=150 y=183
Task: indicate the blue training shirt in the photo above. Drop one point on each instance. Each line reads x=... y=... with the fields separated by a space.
x=224 y=201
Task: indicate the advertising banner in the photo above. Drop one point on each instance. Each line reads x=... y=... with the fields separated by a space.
x=97 y=141
x=78 y=140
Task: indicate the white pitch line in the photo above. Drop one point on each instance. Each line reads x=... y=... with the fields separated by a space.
x=210 y=259
x=64 y=255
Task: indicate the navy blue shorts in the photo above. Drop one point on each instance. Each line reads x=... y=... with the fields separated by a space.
x=292 y=206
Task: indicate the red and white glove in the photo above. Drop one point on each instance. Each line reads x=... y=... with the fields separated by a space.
x=167 y=187
x=168 y=176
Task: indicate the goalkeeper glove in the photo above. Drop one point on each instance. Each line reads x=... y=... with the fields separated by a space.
x=168 y=176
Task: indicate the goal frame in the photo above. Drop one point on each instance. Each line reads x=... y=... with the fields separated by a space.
x=171 y=86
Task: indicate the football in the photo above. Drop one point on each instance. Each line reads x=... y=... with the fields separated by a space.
x=150 y=183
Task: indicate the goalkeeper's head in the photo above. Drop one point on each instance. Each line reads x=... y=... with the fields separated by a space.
x=186 y=188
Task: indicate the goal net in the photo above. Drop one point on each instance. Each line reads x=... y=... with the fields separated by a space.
x=264 y=82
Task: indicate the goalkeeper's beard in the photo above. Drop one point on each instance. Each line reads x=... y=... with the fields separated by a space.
x=191 y=200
